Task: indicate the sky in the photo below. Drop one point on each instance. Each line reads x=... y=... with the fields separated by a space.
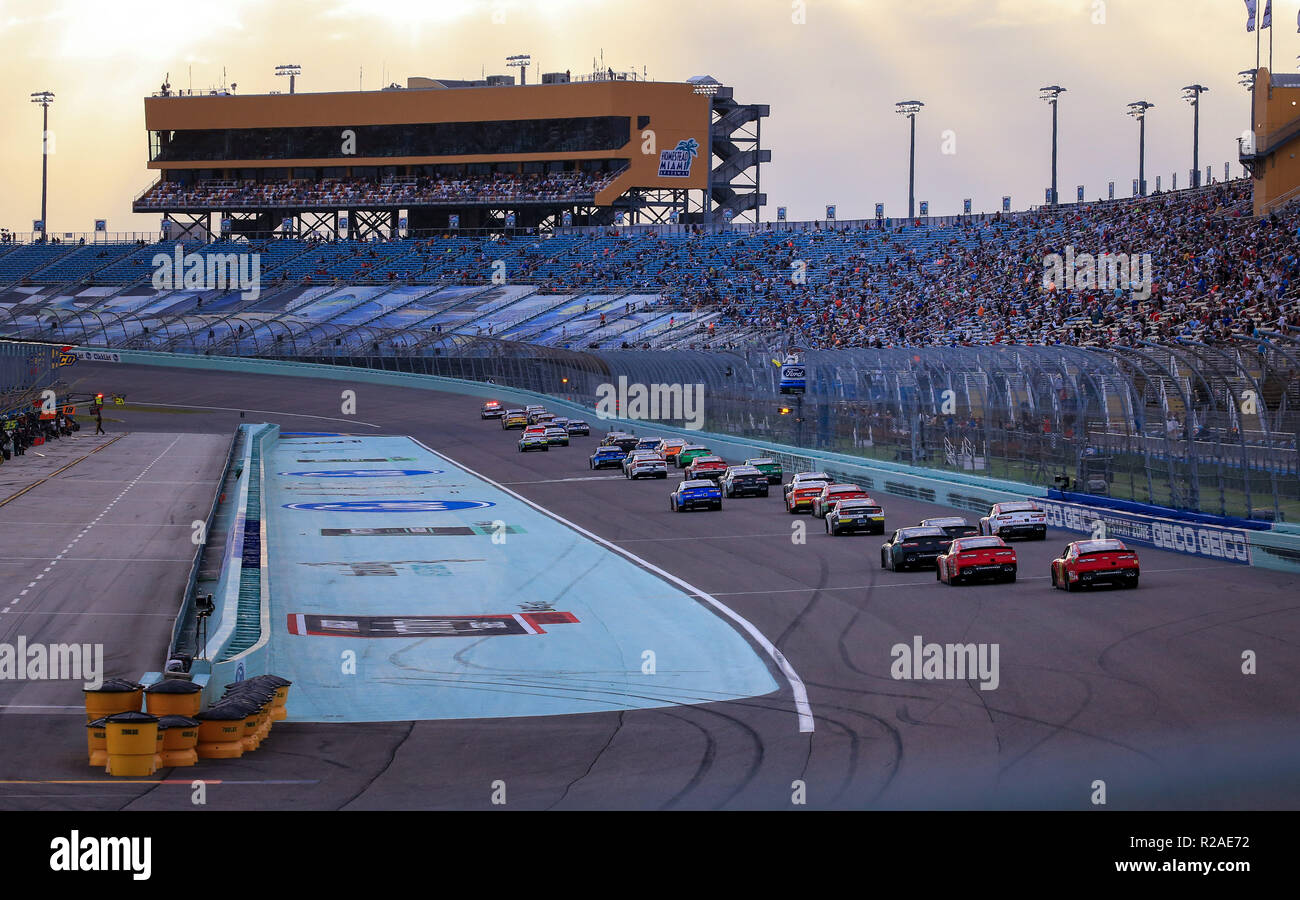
x=831 y=70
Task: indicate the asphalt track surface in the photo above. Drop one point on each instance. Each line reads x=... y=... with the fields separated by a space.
x=1142 y=690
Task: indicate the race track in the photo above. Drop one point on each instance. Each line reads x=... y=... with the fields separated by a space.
x=1142 y=689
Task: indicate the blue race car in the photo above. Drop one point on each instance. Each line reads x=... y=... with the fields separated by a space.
x=695 y=494
x=607 y=457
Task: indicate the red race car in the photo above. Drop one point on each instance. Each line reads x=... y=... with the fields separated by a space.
x=802 y=495
x=833 y=493
x=977 y=557
x=706 y=467
x=1087 y=563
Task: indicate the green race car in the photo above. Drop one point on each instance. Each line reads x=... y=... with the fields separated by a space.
x=688 y=453
x=769 y=467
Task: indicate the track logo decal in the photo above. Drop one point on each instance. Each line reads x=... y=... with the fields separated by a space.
x=364 y=473
x=427 y=626
x=392 y=506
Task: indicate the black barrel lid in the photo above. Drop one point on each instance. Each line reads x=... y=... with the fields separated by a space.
x=132 y=716
x=173 y=686
x=222 y=712
x=176 y=722
x=114 y=686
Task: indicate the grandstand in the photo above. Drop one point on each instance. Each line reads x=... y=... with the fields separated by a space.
x=445 y=154
x=1216 y=273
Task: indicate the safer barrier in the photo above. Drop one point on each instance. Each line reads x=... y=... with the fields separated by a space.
x=1271 y=549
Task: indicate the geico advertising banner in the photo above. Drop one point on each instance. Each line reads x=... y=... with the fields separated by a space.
x=1209 y=541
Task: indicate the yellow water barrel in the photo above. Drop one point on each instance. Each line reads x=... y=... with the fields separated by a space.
x=132 y=739
x=173 y=697
x=97 y=742
x=180 y=740
x=113 y=696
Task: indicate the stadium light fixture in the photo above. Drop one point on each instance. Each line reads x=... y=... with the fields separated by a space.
x=910 y=108
x=1051 y=93
x=292 y=71
x=1138 y=110
x=45 y=99
x=520 y=61
x=1192 y=94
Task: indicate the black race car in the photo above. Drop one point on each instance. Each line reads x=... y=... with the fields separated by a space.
x=909 y=548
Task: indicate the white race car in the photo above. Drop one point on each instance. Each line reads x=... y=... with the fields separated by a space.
x=1019 y=518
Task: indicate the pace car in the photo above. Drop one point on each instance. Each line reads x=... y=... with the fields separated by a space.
x=688 y=453
x=769 y=467
x=832 y=492
x=713 y=467
x=514 y=418
x=1019 y=518
x=741 y=481
x=953 y=526
x=1090 y=563
x=801 y=477
x=911 y=547
x=557 y=435
x=577 y=426
x=534 y=440
x=976 y=558
x=492 y=409
x=853 y=515
x=607 y=457
x=702 y=494
x=644 y=464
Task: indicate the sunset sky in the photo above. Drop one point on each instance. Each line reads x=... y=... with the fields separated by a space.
x=831 y=81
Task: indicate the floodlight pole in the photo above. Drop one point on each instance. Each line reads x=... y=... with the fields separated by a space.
x=44 y=98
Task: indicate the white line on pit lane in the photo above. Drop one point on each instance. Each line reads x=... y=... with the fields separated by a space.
x=274 y=412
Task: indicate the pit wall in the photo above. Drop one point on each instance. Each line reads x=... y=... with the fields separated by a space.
x=1274 y=549
x=228 y=615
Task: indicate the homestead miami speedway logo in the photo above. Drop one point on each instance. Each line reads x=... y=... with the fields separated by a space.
x=427 y=626
x=392 y=506
x=676 y=163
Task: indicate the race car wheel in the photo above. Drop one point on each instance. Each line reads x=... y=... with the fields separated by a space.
x=718 y=505
x=765 y=493
x=1132 y=583
x=1010 y=579
x=1069 y=588
x=547 y=448
x=1054 y=584
x=830 y=529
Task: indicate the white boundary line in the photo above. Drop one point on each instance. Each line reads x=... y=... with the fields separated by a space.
x=274 y=412
x=796 y=683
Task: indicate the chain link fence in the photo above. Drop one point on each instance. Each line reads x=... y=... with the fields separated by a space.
x=1196 y=427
